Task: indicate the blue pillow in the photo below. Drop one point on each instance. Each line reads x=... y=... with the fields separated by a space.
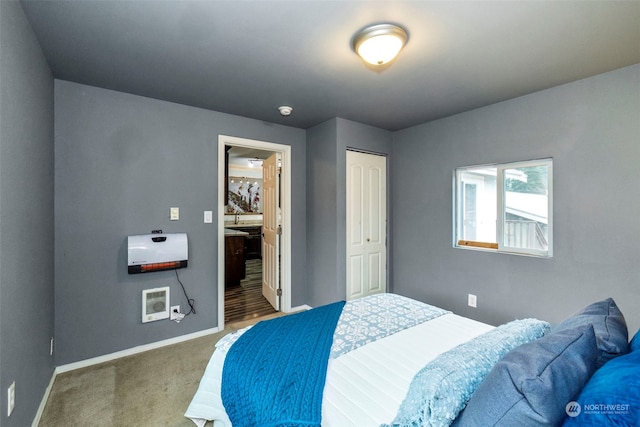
x=612 y=395
x=634 y=345
x=609 y=326
x=533 y=383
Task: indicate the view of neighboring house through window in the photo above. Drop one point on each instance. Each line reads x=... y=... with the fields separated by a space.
x=505 y=207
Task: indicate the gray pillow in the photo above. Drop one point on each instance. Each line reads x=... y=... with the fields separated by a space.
x=533 y=383
x=612 y=336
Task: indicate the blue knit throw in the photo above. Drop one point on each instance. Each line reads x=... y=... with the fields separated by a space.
x=274 y=374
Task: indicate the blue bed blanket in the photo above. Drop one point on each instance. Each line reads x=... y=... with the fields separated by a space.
x=274 y=374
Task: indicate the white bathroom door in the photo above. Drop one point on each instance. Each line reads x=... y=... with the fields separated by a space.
x=366 y=224
x=271 y=231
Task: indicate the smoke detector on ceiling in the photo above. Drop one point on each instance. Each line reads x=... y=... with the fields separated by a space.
x=285 y=110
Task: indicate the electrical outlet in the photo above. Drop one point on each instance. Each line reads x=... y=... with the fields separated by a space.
x=473 y=301
x=11 y=398
x=174 y=311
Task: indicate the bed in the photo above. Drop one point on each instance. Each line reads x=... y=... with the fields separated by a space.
x=394 y=361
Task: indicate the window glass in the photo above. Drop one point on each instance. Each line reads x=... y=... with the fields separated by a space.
x=526 y=219
x=505 y=207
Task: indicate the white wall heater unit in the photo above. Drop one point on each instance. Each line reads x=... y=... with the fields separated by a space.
x=155 y=304
x=155 y=252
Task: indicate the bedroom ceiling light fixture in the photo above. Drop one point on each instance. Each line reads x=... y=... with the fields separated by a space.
x=380 y=44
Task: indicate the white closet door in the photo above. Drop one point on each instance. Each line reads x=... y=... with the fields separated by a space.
x=366 y=224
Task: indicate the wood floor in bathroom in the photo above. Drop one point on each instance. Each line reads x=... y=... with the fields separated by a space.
x=246 y=302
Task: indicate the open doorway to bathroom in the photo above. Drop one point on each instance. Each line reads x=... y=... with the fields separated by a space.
x=254 y=273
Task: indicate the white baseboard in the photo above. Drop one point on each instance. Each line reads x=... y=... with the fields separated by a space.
x=300 y=308
x=142 y=348
x=134 y=350
x=43 y=402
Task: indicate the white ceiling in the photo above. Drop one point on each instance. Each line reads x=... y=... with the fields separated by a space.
x=248 y=57
x=240 y=155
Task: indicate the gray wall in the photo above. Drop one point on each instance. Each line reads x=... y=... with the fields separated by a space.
x=327 y=146
x=121 y=162
x=591 y=129
x=26 y=221
x=323 y=281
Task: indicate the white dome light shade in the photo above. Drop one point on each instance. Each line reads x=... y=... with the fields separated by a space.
x=379 y=44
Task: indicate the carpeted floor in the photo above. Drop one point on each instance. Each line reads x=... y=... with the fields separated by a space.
x=152 y=389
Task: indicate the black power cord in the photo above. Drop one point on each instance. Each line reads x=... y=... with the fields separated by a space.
x=190 y=301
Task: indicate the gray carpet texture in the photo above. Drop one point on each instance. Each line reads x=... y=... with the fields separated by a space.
x=153 y=388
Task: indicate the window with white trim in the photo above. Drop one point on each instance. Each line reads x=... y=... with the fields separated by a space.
x=505 y=207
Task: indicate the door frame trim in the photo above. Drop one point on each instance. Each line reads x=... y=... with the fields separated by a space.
x=285 y=198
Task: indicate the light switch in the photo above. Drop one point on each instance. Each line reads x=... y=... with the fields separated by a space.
x=208 y=217
x=174 y=214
